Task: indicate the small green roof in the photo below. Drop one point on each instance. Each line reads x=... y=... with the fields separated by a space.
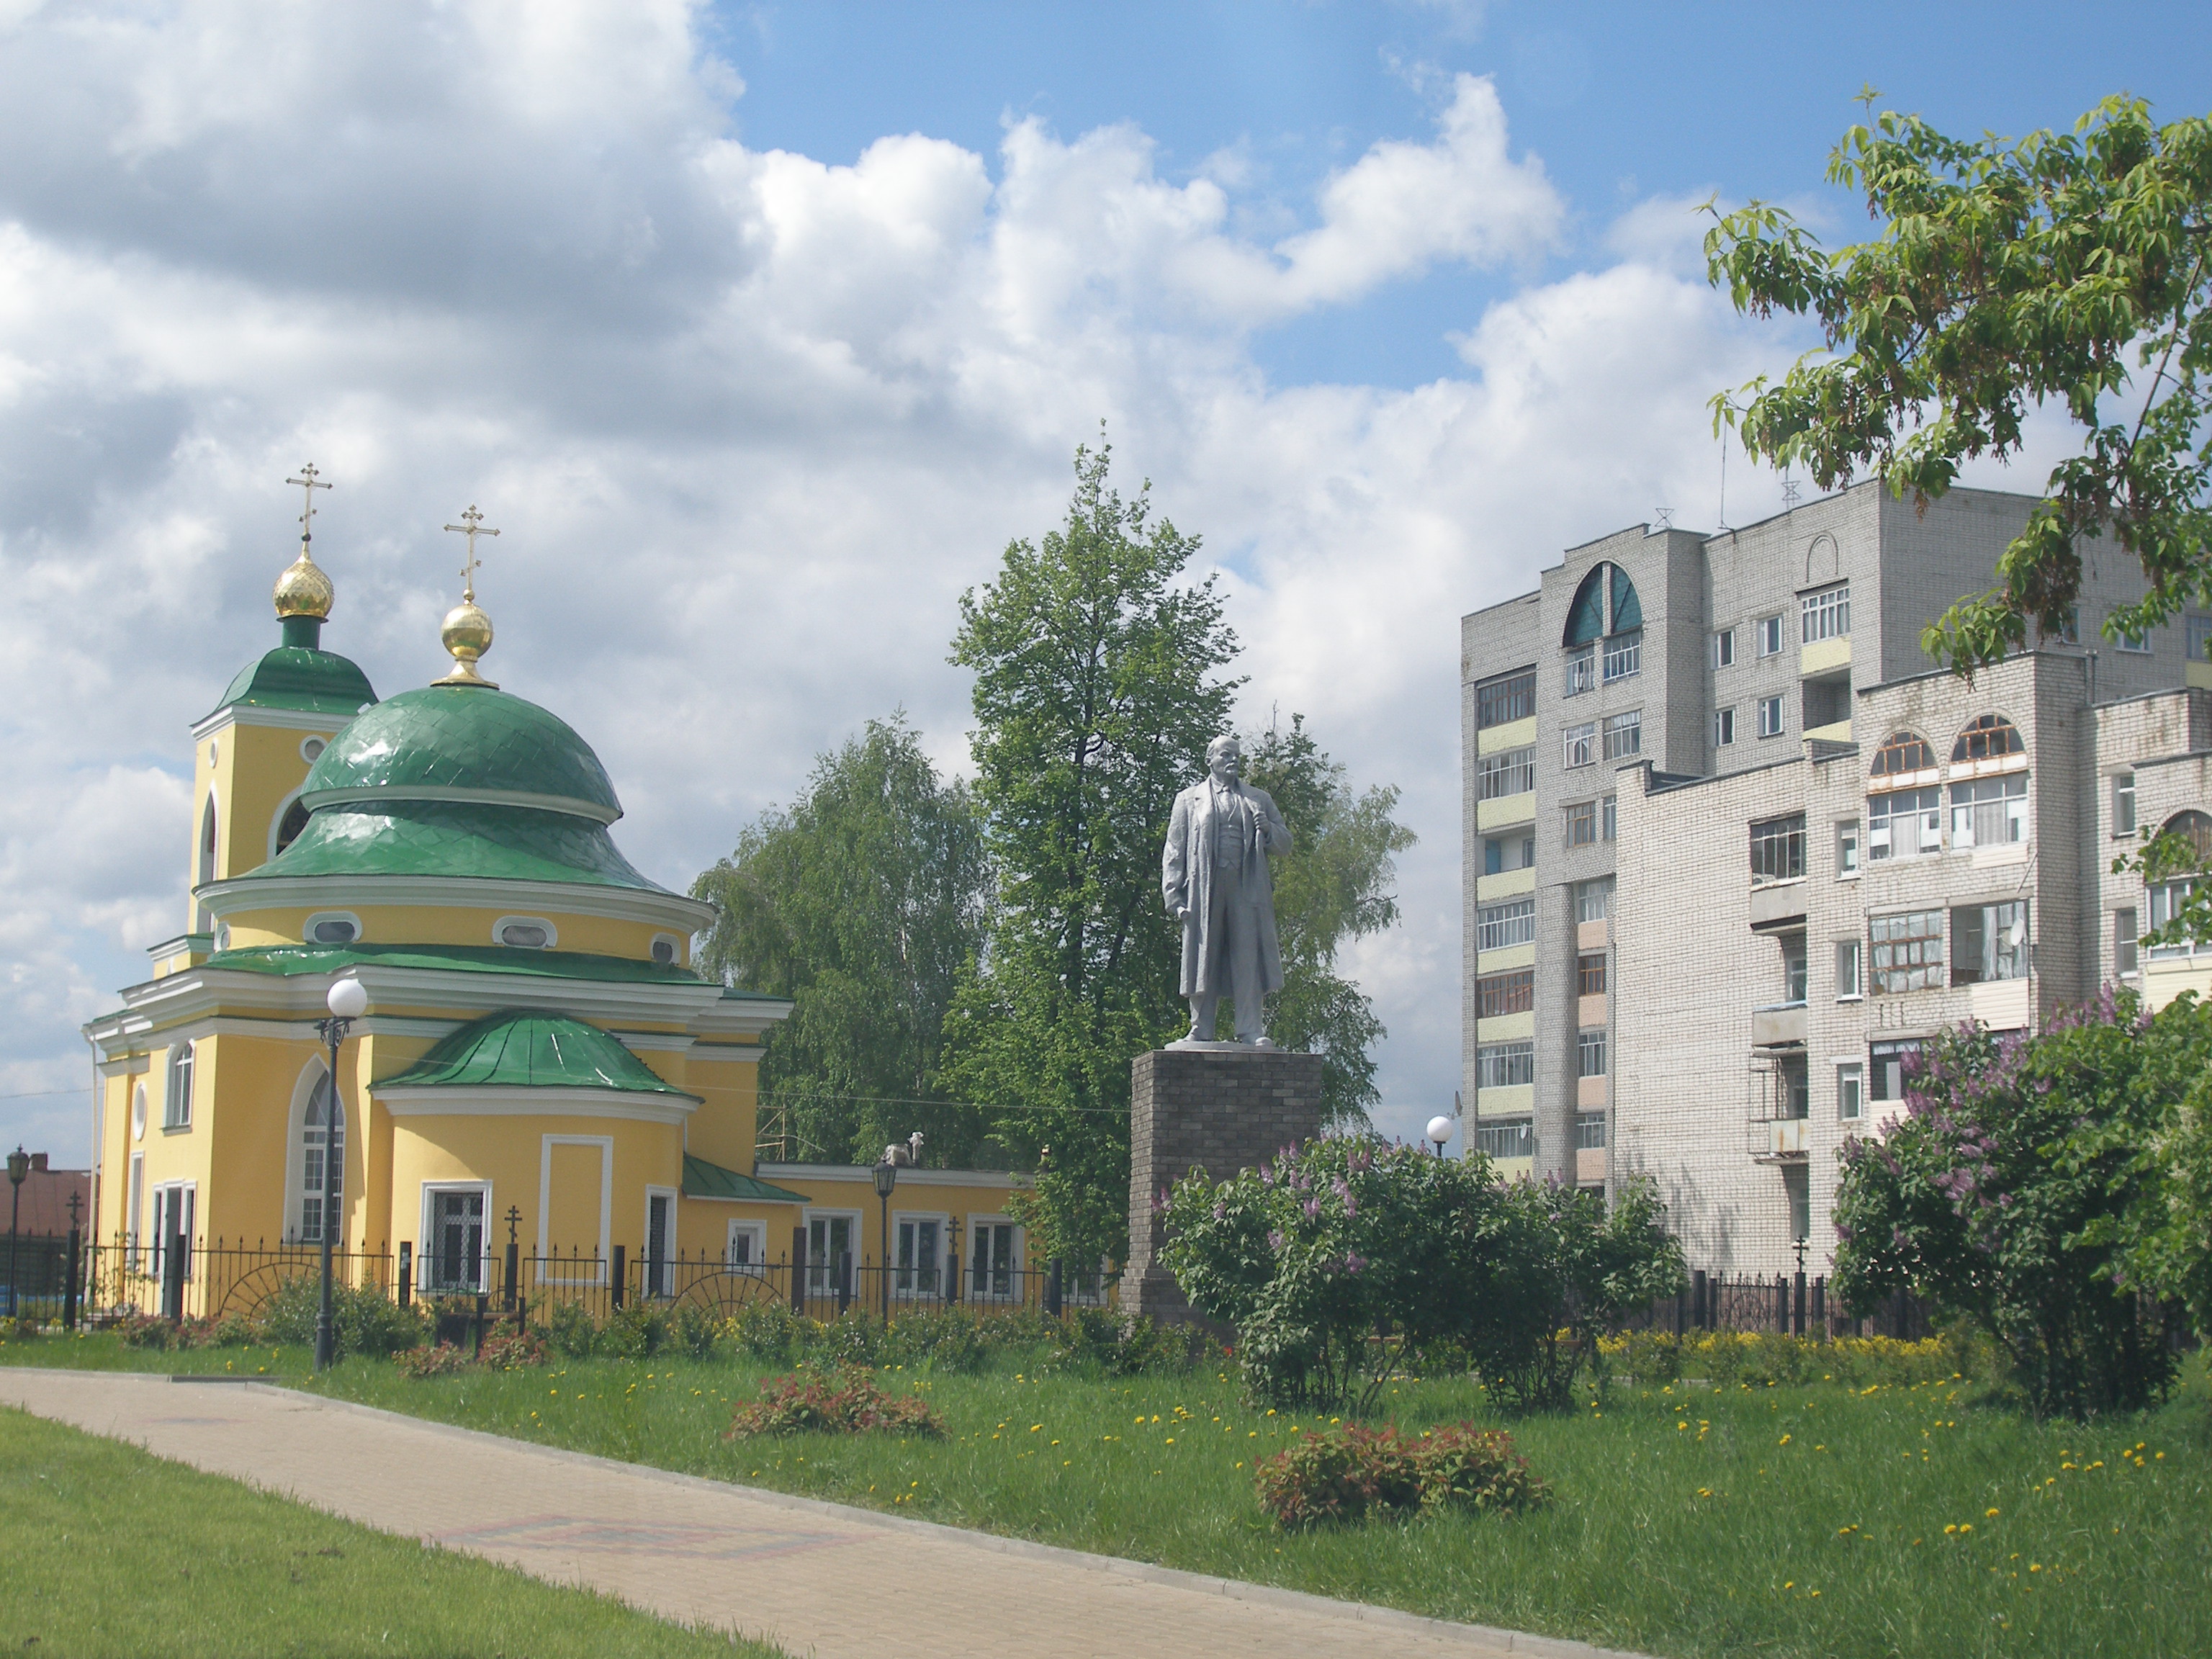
x=454 y=838
x=524 y=1050
x=286 y=960
x=463 y=743
x=705 y=1179
x=298 y=677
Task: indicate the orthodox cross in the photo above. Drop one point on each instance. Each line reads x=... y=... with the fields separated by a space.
x=471 y=525
x=309 y=483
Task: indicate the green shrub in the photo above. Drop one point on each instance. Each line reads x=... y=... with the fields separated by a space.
x=146 y=1331
x=363 y=1319
x=1347 y=1474
x=695 y=1330
x=636 y=1332
x=767 y=1330
x=855 y=1338
x=1124 y=1345
x=848 y=1400
x=570 y=1330
x=440 y=1359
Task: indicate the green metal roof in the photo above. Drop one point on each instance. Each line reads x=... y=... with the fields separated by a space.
x=705 y=1179
x=297 y=677
x=524 y=1050
x=286 y=960
x=454 y=838
x=452 y=741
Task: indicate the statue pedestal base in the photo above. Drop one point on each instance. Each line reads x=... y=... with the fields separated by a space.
x=1222 y=1108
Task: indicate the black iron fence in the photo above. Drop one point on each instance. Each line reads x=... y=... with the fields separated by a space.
x=182 y=1278
x=1787 y=1305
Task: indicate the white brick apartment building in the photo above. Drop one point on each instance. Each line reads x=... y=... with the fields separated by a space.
x=1733 y=846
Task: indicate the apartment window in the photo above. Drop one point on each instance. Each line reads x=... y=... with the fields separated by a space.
x=1509 y=772
x=1593 y=900
x=1582 y=824
x=1589 y=1132
x=1848 y=983
x=2200 y=637
x=1850 y=1091
x=2138 y=640
x=1989 y=942
x=1502 y=702
x=177 y=1102
x=1908 y=952
x=1590 y=1054
x=1778 y=850
x=1608 y=818
x=1889 y=1063
x=1497 y=995
x=1989 y=811
x=2168 y=900
x=1590 y=973
x=1503 y=852
x=1991 y=736
x=1904 y=751
x=1582 y=744
x=2124 y=940
x=1505 y=1065
x=1623 y=656
x=1905 y=823
x=1624 y=734
x=1826 y=615
x=1847 y=848
x=1766 y=636
x=2123 y=803
x=1795 y=979
x=1724 y=649
x=1723 y=728
x=1581 y=672
x=1505 y=1139
x=1499 y=927
x=1770 y=717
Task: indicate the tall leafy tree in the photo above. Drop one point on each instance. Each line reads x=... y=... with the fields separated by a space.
x=1096 y=693
x=1333 y=886
x=2069 y=272
x=863 y=902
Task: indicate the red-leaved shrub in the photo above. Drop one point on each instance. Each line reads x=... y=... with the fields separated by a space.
x=443 y=1360
x=1349 y=1473
x=513 y=1350
x=846 y=1401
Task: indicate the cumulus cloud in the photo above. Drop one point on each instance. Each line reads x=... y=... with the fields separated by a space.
x=750 y=423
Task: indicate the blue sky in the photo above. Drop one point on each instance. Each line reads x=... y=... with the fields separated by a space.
x=760 y=330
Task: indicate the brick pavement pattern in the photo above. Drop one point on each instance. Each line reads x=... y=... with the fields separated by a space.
x=1223 y=1110
x=818 y=1578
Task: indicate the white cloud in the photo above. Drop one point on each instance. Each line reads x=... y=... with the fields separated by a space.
x=749 y=422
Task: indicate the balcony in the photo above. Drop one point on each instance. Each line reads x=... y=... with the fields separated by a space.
x=1778 y=1025
x=1777 y=905
x=1779 y=1139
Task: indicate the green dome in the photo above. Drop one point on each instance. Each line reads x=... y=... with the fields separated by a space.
x=524 y=1050
x=371 y=836
x=299 y=677
x=461 y=744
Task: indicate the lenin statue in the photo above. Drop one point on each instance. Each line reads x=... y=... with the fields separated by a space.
x=1214 y=876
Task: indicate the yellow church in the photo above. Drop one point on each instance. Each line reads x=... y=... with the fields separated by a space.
x=539 y=1062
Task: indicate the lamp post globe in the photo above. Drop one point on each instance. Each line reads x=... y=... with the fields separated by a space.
x=1440 y=1131
x=347 y=1000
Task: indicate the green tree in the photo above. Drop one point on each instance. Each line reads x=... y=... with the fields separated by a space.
x=1333 y=885
x=863 y=902
x=1094 y=701
x=2069 y=272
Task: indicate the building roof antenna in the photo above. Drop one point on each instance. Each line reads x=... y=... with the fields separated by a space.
x=1792 y=495
x=1723 y=515
x=1665 y=515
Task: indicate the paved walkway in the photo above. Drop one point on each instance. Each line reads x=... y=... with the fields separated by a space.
x=818 y=1578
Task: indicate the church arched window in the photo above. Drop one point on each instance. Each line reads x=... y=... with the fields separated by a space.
x=307 y=1154
x=295 y=819
x=203 y=865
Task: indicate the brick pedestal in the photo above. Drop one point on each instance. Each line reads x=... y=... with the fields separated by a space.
x=1223 y=1110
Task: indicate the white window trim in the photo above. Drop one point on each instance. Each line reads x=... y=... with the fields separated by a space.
x=552 y=934
x=967 y=1291
x=296 y=1139
x=1856 y=1068
x=757 y=1231
x=1858 y=948
x=321 y=740
x=176 y=1114
x=139 y=1115
x=604 y=1247
x=680 y=946
x=944 y=1220
x=1781 y=716
x=308 y=927
x=134 y=1200
x=860 y=1220
x=424 y=1255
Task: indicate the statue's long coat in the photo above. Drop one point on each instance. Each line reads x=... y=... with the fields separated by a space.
x=1187 y=881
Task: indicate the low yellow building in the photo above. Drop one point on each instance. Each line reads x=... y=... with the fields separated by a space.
x=540 y=1063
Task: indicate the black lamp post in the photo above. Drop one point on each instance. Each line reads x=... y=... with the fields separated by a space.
x=348 y=1002
x=886 y=1178
x=19 y=1165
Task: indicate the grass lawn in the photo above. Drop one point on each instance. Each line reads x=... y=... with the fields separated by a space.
x=112 y=1551
x=1790 y=1519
